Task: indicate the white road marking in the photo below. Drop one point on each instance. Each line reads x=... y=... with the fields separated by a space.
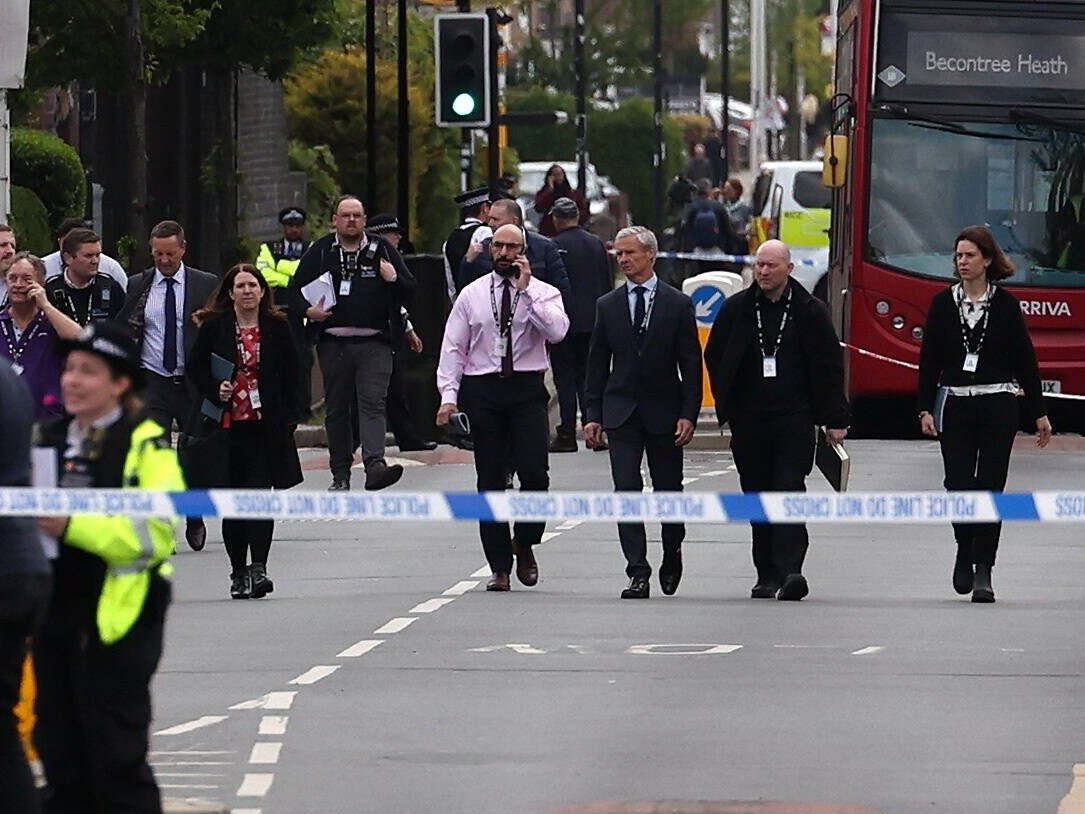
x=185 y=786
x=715 y=473
x=804 y=646
x=431 y=605
x=189 y=774
x=273 y=725
x=689 y=649
x=396 y=625
x=247 y=811
x=359 y=648
x=265 y=752
x=484 y=571
x=523 y=649
x=547 y=536
x=192 y=752
x=867 y=651
x=688 y=481
x=255 y=785
x=460 y=588
x=315 y=674
x=157 y=763
x=568 y=524
x=1012 y=649
x=189 y=726
x=273 y=700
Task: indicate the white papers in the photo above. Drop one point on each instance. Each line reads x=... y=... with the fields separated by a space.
x=319 y=289
x=43 y=465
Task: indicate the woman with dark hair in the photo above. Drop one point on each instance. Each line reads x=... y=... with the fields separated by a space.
x=32 y=328
x=557 y=186
x=244 y=364
x=976 y=352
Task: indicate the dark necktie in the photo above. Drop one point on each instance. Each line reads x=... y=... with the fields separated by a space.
x=169 y=341
x=638 y=310
x=506 y=323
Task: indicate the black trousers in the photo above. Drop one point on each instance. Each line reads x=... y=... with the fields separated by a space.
x=94 y=712
x=508 y=423
x=250 y=468
x=23 y=598
x=976 y=439
x=775 y=456
x=569 y=359
x=168 y=399
x=628 y=445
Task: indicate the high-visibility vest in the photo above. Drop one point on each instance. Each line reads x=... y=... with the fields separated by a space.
x=277 y=270
x=133 y=548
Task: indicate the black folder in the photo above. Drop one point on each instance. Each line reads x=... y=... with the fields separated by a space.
x=833 y=461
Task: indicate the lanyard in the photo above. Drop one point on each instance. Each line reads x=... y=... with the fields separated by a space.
x=643 y=328
x=779 y=334
x=985 y=306
x=17 y=345
x=506 y=329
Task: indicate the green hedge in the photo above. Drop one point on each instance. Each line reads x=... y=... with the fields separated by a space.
x=51 y=168
x=30 y=220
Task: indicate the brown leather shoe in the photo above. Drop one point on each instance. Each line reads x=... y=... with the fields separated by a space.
x=498 y=582
x=196 y=533
x=527 y=569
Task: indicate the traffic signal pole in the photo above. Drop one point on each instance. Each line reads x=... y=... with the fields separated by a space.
x=581 y=115
x=493 y=153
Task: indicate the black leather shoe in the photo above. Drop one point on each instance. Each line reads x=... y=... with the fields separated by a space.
x=638 y=588
x=381 y=476
x=261 y=585
x=417 y=445
x=764 y=590
x=564 y=441
x=196 y=533
x=340 y=485
x=794 y=588
x=963 y=576
x=240 y=585
x=498 y=582
x=527 y=569
x=670 y=572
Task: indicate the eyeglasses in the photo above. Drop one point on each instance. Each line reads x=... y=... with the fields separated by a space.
x=497 y=244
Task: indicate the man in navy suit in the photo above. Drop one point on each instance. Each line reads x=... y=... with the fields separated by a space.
x=644 y=389
x=158 y=312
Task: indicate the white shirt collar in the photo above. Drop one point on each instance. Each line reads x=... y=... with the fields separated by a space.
x=650 y=284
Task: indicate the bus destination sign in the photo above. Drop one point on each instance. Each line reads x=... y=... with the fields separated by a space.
x=1039 y=62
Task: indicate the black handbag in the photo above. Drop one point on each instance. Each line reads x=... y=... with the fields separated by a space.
x=204 y=452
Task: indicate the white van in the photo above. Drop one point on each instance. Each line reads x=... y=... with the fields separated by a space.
x=790 y=202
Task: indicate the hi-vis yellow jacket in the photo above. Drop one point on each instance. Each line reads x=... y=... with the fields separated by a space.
x=132 y=548
x=278 y=273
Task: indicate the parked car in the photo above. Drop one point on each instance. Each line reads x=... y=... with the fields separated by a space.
x=790 y=202
x=607 y=208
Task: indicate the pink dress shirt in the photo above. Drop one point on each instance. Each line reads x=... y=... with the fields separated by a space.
x=469 y=347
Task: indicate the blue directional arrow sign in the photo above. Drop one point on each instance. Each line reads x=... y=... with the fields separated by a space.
x=707 y=302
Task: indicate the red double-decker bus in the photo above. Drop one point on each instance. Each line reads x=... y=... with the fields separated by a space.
x=951 y=113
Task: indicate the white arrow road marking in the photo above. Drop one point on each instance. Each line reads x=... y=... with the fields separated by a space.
x=273 y=700
x=189 y=726
x=867 y=651
x=523 y=649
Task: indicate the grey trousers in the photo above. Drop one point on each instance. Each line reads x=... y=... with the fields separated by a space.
x=354 y=369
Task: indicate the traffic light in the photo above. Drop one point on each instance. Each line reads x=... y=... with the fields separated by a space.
x=462 y=52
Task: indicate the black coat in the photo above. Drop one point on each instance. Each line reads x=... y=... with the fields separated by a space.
x=542 y=253
x=663 y=380
x=590 y=275
x=278 y=377
x=735 y=330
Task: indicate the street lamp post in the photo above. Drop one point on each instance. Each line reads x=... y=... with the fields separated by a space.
x=661 y=150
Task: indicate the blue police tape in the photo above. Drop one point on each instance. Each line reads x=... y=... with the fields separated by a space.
x=744 y=259
x=685 y=507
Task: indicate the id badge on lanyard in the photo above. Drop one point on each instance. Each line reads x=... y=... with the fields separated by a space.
x=768 y=367
x=971 y=361
x=344 y=287
x=501 y=345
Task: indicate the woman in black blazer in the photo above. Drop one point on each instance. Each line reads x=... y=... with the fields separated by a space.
x=976 y=352
x=252 y=383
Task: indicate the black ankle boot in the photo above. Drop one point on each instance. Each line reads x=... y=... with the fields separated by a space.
x=981 y=585
x=261 y=585
x=963 y=574
x=240 y=584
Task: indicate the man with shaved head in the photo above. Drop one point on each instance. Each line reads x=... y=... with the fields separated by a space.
x=493 y=359
x=777 y=371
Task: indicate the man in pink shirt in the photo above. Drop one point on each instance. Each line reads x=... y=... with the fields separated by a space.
x=493 y=358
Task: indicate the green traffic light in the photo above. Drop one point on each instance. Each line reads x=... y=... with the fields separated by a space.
x=464 y=104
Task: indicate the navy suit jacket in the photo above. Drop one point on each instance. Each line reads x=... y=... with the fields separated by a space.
x=542 y=253
x=660 y=375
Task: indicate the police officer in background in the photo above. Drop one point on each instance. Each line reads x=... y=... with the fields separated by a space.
x=474 y=210
x=278 y=261
x=81 y=291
